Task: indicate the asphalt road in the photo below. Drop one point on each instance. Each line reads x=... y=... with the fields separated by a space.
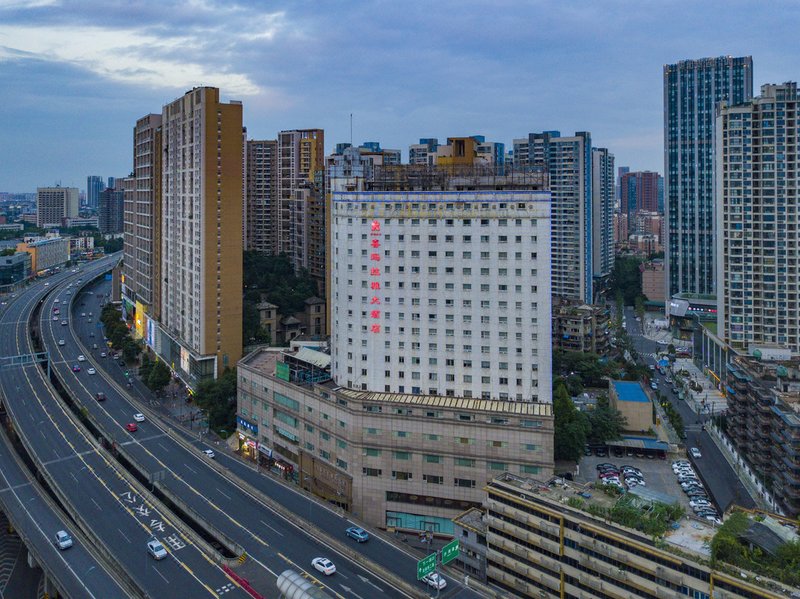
x=121 y=518
x=271 y=542
x=720 y=479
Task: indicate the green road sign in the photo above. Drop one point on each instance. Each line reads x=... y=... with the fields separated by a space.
x=450 y=551
x=426 y=565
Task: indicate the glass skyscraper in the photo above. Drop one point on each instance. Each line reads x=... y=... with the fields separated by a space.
x=692 y=91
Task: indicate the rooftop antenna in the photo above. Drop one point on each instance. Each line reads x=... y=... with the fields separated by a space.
x=351 y=129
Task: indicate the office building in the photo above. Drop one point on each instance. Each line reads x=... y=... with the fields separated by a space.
x=621 y=170
x=110 y=211
x=200 y=329
x=262 y=200
x=692 y=91
x=141 y=265
x=442 y=293
x=14 y=270
x=757 y=218
x=398 y=460
x=46 y=252
x=552 y=538
x=301 y=202
x=568 y=163
x=54 y=204
x=602 y=213
x=94 y=185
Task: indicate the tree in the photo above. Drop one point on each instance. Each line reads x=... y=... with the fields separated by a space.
x=130 y=349
x=218 y=399
x=8 y=252
x=626 y=278
x=607 y=424
x=159 y=376
x=145 y=368
x=571 y=427
x=671 y=349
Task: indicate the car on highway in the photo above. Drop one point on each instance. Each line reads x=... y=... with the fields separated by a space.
x=92 y=371
x=102 y=354
x=63 y=540
x=695 y=453
x=131 y=427
x=435 y=580
x=138 y=417
x=156 y=549
x=100 y=396
x=76 y=368
x=209 y=453
x=324 y=565
x=81 y=358
x=55 y=318
x=61 y=342
x=63 y=323
x=359 y=534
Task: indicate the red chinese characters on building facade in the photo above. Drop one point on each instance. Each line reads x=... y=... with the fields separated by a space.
x=375 y=275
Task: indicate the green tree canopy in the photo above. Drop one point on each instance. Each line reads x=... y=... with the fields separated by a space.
x=606 y=423
x=626 y=278
x=159 y=376
x=218 y=399
x=571 y=426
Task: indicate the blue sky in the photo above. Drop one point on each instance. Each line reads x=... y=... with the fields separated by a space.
x=75 y=76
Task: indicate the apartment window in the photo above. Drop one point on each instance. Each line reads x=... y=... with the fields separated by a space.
x=526 y=469
x=399 y=475
x=465 y=462
x=372 y=452
x=372 y=431
x=401 y=434
x=433 y=459
x=433 y=479
x=465 y=483
x=498 y=466
x=371 y=471
x=431 y=437
x=402 y=455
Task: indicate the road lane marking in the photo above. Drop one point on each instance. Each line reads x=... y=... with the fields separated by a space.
x=161 y=575
x=305 y=573
x=124 y=536
x=223 y=493
x=272 y=529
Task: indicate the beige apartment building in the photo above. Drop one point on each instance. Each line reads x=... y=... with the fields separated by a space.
x=202 y=177
x=542 y=541
x=54 y=204
x=394 y=460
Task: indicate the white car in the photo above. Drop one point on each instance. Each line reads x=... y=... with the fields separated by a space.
x=92 y=371
x=435 y=580
x=63 y=323
x=156 y=549
x=63 y=540
x=83 y=313
x=695 y=453
x=209 y=453
x=138 y=417
x=324 y=565
x=81 y=358
x=61 y=342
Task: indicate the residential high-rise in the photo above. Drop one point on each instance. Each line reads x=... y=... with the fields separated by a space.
x=201 y=234
x=424 y=152
x=640 y=191
x=621 y=170
x=568 y=162
x=442 y=293
x=110 y=211
x=301 y=202
x=53 y=204
x=94 y=185
x=141 y=265
x=757 y=220
x=602 y=212
x=692 y=91
x=261 y=196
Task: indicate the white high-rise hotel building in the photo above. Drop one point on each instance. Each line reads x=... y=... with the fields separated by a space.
x=442 y=293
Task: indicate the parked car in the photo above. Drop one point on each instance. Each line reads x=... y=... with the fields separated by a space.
x=359 y=534
x=604 y=465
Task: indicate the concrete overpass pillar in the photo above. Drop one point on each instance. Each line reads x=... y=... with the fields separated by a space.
x=32 y=563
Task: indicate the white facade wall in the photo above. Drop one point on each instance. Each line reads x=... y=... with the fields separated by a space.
x=460 y=302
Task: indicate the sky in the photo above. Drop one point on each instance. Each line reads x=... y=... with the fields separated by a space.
x=75 y=76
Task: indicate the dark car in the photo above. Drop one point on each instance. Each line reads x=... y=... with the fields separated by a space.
x=76 y=368
x=601 y=452
x=100 y=397
x=605 y=465
x=121 y=362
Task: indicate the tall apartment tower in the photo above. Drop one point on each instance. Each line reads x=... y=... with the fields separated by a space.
x=301 y=202
x=602 y=212
x=141 y=264
x=201 y=233
x=110 y=211
x=692 y=91
x=424 y=152
x=757 y=221
x=568 y=163
x=640 y=191
x=94 y=185
x=442 y=293
x=53 y=204
x=261 y=196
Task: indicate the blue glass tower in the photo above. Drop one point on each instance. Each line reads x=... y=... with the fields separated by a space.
x=692 y=91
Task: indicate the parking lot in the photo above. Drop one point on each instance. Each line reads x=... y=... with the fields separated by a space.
x=657 y=474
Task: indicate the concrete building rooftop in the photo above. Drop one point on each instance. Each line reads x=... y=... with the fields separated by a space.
x=630 y=391
x=472 y=519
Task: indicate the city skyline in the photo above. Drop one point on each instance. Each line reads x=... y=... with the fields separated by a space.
x=78 y=77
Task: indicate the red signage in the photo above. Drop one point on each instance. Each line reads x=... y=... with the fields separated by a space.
x=375 y=273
